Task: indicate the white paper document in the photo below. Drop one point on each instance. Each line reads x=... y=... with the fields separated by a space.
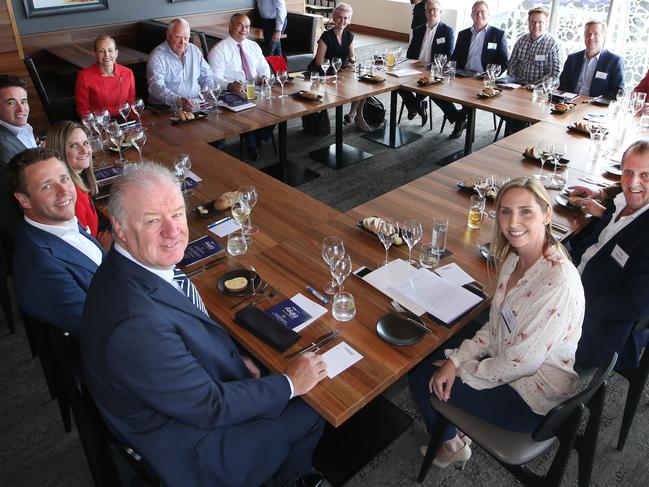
x=511 y=86
x=340 y=358
x=454 y=273
x=395 y=271
x=443 y=299
x=311 y=307
x=224 y=227
x=403 y=72
x=237 y=108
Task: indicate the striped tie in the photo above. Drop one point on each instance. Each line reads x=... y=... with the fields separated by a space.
x=189 y=289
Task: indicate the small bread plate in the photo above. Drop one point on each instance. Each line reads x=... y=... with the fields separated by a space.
x=471 y=190
x=435 y=81
x=376 y=79
x=601 y=100
x=360 y=224
x=125 y=146
x=220 y=284
x=614 y=169
x=573 y=128
x=562 y=200
x=197 y=116
x=400 y=332
x=571 y=106
x=481 y=94
x=301 y=96
x=206 y=210
x=563 y=162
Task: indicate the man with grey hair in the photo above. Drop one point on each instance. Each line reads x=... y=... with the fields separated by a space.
x=166 y=377
x=593 y=71
x=176 y=69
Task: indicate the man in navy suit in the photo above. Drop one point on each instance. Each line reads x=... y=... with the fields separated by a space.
x=167 y=378
x=613 y=259
x=593 y=71
x=477 y=47
x=434 y=37
x=54 y=259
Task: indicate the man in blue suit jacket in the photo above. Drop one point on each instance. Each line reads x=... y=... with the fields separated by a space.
x=593 y=71
x=54 y=258
x=613 y=259
x=434 y=37
x=166 y=377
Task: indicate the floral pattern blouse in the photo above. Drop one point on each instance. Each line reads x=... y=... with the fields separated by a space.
x=536 y=357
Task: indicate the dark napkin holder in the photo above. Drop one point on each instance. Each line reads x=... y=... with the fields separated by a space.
x=265 y=327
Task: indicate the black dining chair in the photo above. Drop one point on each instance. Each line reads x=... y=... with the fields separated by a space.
x=514 y=450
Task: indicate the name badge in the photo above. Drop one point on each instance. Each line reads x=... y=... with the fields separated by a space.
x=600 y=74
x=539 y=57
x=619 y=256
x=509 y=317
x=441 y=40
x=492 y=45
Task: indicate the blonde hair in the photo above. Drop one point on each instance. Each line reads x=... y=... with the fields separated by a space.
x=57 y=138
x=343 y=6
x=104 y=37
x=500 y=246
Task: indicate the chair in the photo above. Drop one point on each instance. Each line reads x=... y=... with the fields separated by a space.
x=56 y=95
x=513 y=450
x=5 y=273
x=97 y=439
x=299 y=45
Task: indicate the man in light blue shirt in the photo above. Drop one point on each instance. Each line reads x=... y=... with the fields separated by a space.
x=177 y=69
x=273 y=21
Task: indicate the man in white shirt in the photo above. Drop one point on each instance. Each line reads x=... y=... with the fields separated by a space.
x=177 y=70
x=613 y=260
x=54 y=259
x=273 y=22
x=237 y=59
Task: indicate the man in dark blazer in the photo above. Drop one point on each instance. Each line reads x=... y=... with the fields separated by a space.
x=166 y=377
x=54 y=259
x=593 y=71
x=613 y=259
x=476 y=48
x=434 y=37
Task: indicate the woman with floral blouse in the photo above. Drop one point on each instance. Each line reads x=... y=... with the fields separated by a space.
x=519 y=365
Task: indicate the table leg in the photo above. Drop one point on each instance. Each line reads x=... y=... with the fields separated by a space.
x=470 y=131
x=393 y=136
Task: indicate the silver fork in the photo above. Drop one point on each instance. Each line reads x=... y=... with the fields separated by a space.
x=271 y=294
x=410 y=316
x=263 y=289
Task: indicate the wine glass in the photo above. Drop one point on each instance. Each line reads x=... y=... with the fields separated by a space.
x=88 y=121
x=101 y=120
x=241 y=212
x=205 y=94
x=281 y=78
x=116 y=135
x=124 y=110
x=249 y=195
x=138 y=139
x=340 y=269
x=411 y=232
x=481 y=185
x=182 y=164
x=215 y=93
x=560 y=149
x=325 y=68
x=336 y=63
x=545 y=149
x=388 y=231
x=138 y=108
x=332 y=249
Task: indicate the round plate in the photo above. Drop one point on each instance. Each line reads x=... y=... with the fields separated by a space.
x=400 y=332
x=220 y=284
x=562 y=200
x=614 y=169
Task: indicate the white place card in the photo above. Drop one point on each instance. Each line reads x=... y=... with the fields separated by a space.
x=340 y=358
x=454 y=273
x=224 y=227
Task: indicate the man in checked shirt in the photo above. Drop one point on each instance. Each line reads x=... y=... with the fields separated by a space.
x=535 y=56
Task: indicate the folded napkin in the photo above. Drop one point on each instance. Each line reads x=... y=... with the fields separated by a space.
x=266 y=328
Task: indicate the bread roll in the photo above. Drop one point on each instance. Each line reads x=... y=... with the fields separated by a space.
x=490 y=91
x=561 y=107
x=226 y=200
x=236 y=284
x=583 y=126
x=310 y=95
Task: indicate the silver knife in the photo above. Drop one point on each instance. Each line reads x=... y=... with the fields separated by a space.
x=205 y=267
x=316 y=344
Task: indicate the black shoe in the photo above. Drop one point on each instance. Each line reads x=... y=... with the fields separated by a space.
x=423 y=113
x=313 y=479
x=411 y=115
x=458 y=129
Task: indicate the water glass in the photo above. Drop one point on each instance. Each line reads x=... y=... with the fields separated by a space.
x=237 y=243
x=451 y=68
x=537 y=93
x=476 y=209
x=344 y=307
x=428 y=257
x=266 y=91
x=440 y=231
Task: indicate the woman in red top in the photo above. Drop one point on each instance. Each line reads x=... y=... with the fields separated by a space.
x=71 y=140
x=105 y=84
x=643 y=87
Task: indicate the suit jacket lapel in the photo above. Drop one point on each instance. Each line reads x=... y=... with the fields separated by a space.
x=11 y=139
x=61 y=249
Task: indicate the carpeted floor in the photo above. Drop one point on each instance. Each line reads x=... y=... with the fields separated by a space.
x=34 y=451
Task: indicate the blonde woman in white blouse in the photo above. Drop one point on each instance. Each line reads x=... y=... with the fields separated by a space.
x=520 y=364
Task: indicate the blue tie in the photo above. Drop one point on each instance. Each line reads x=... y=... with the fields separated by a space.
x=189 y=289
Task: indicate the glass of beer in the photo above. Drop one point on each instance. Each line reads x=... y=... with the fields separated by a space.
x=250 y=89
x=475 y=212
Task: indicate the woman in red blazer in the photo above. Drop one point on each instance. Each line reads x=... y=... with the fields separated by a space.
x=643 y=87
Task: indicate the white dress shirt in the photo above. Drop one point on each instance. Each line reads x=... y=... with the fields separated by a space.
x=170 y=77
x=225 y=60
x=610 y=230
x=69 y=232
x=273 y=9
x=25 y=133
x=586 y=75
x=427 y=44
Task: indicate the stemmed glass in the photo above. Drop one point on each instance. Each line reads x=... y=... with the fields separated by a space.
x=124 y=110
x=271 y=81
x=333 y=249
x=215 y=93
x=325 y=67
x=545 y=149
x=182 y=165
x=116 y=135
x=560 y=149
x=336 y=63
x=340 y=269
x=101 y=120
x=138 y=108
x=249 y=195
x=411 y=232
x=281 y=78
x=97 y=146
x=138 y=139
x=88 y=121
x=439 y=61
x=204 y=94
x=388 y=231
x=241 y=212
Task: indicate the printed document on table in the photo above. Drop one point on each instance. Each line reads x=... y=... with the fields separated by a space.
x=399 y=73
x=454 y=273
x=340 y=358
x=443 y=299
x=396 y=271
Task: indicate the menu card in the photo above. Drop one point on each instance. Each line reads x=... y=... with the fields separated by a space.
x=109 y=173
x=201 y=249
x=234 y=102
x=296 y=313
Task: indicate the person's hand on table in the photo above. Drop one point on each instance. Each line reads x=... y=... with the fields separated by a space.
x=590 y=206
x=305 y=372
x=235 y=86
x=252 y=368
x=442 y=380
x=187 y=105
x=584 y=192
